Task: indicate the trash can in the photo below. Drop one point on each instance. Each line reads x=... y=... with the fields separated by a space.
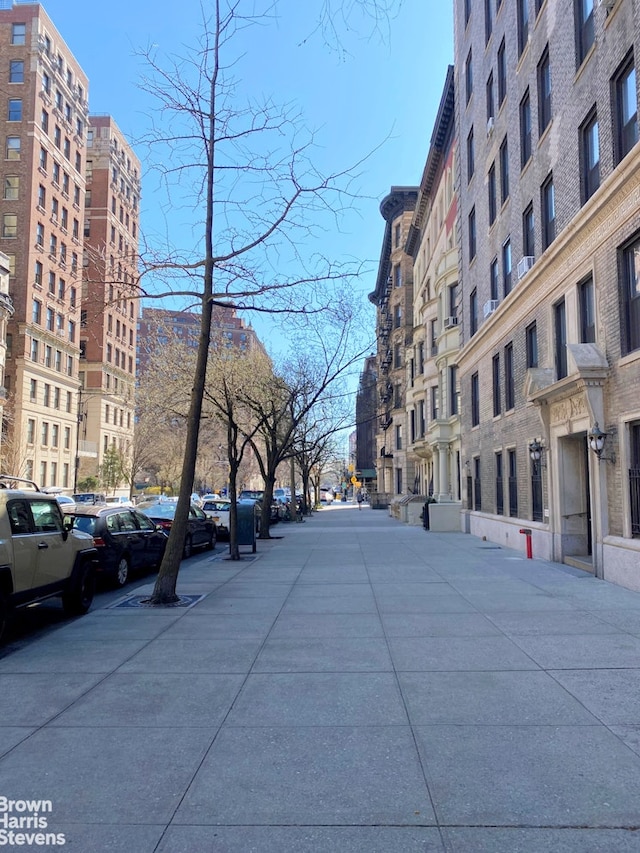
x=247 y=524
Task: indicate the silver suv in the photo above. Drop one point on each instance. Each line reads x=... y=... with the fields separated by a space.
x=40 y=555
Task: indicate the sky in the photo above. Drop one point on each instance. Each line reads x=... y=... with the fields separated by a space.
x=376 y=94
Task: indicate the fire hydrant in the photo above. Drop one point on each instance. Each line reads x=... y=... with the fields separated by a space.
x=527 y=533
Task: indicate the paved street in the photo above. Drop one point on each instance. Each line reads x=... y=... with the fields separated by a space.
x=359 y=686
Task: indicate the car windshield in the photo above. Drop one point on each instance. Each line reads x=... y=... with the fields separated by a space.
x=85 y=523
x=221 y=506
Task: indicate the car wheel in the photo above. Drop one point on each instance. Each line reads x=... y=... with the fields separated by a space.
x=122 y=572
x=5 y=611
x=211 y=544
x=78 y=597
x=187 y=550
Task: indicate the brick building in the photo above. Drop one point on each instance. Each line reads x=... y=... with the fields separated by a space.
x=43 y=119
x=549 y=189
x=393 y=297
x=108 y=331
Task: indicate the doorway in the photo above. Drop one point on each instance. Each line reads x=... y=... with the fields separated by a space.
x=575 y=500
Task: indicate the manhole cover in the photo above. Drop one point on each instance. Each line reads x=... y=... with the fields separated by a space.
x=143 y=601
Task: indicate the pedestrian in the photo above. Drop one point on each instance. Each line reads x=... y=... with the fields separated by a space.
x=359 y=498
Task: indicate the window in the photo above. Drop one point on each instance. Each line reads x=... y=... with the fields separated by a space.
x=630 y=296
x=544 y=92
x=493 y=279
x=502 y=73
x=531 y=335
x=509 y=382
x=37 y=275
x=513 y=483
x=468 y=76
x=477 y=485
x=18 y=33
x=397 y=233
x=31 y=431
x=467 y=11
x=475 y=399
x=399 y=481
x=72 y=331
x=398 y=436
x=453 y=391
x=58 y=365
x=420 y=352
x=589 y=157
x=472 y=234
x=488 y=20
x=397 y=276
x=491 y=107
x=48 y=356
x=397 y=318
x=12 y=150
x=497 y=398
x=528 y=232
x=523 y=24
x=499 y=485
x=587 y=312
x=42 y=163
x=470 y=156
x=9 y=225
x=525 y=130
x=473 y=311
x=14 y=110
x=491 y=189
x=548 y=213
x=435 y=407
x=584 y=28
x=33 y=390
x=55 y=174
x=504 y=171
x=67 y=438
x=16 y=71
x=11 y=187
x=626 y=110
x=560 y=327
x=46 y=83
x=40 y=235
x=44 y=441
x=452 y=300
x=42 y=197
x=634 y=478
x=397 y=356
x=506 y=267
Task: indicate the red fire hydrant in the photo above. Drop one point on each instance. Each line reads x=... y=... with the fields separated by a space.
x=527 y=533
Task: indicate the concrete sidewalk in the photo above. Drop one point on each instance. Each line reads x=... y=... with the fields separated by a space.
x=359 y=686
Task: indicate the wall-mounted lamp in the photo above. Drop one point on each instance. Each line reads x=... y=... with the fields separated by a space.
x=597 y=440
x=535 y=450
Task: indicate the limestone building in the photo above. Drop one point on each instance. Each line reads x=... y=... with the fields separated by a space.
x=549 y=193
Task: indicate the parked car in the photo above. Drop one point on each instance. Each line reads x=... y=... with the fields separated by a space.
x=67 y=504
x=89 y=498
x=218 y=510
x=201 y=531
x=40 y=556
x=127 y=541
x=326 y=496
x=118 y=500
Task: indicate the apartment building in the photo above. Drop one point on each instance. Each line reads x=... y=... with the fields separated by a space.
x=433 y=398
x=549 y=194
x=109 y=317
x=393 y=298
x=6 y=312
x=43 y=123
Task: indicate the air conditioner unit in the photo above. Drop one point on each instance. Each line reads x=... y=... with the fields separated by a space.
x=490 y=123
x=450 y=321
x=490 y=306
x=524 y=265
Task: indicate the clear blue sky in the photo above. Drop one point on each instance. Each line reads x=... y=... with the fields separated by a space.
x=383 y=85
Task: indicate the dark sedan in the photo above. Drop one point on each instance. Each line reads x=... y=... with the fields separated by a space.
x=201 y=531
x=127 y=541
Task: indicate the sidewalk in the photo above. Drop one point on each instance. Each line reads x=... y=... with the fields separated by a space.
x=360 y=687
